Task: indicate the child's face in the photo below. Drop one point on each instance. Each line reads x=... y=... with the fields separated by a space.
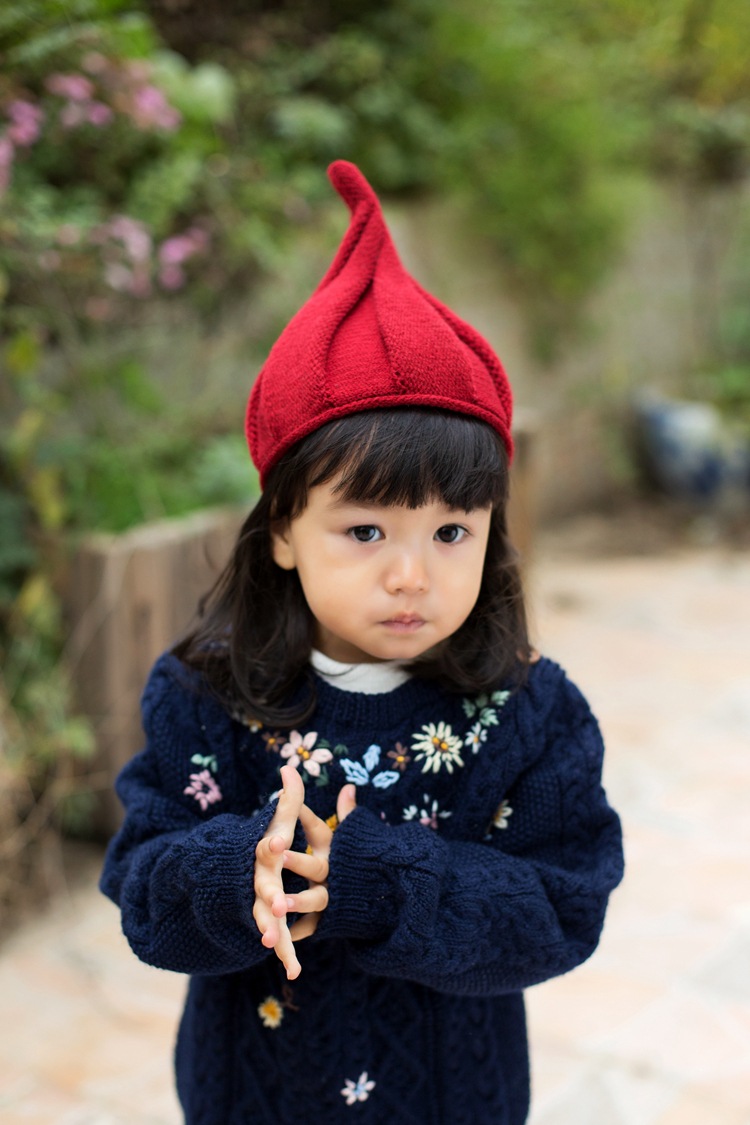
x=383 y=583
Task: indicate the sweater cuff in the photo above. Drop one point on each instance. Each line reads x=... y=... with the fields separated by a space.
x=361 y=888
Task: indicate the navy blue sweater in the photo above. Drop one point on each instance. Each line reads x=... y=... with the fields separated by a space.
x=478 y=862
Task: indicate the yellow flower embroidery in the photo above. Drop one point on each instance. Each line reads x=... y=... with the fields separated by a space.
x=437 y=746
x=271 y=1012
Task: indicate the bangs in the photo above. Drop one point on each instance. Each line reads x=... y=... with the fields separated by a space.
x=409 y=457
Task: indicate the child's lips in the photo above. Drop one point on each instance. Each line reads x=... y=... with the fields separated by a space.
x=404 y=623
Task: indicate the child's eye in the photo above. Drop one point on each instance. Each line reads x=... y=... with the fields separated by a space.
x=365 y=533
x=450 y=533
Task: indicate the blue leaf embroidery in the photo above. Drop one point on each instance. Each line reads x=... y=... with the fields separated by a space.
x=371 y=757
x=385 y=779
x=355 y=771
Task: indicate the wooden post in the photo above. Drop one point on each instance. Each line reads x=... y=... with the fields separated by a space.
x=521 y=513
x=129 y=598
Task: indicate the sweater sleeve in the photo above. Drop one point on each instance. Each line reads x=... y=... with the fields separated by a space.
x=182 y=877
x=479 y=918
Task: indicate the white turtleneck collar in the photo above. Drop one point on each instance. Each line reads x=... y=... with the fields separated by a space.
x=369 y=679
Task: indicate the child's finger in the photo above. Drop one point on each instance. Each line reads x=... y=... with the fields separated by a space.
x=284 y=950
x=346 y=801
x=291 y=799
x=312 y=900
x=312 y=867
x=266 y=923
x=269 y=850
x=316 y=830
x=304 y=927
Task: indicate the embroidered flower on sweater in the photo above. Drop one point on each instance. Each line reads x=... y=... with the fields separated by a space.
x=485 y=707
x=429 y=815
x=299 y=752
x=208 y=761
x=358 y=1091
x=274 y=741
x=437 y=746
x=362 y=773
x=475 y=737
x=399 y=757
x=271 y=1012
x=247 y=720
x=500 y=819
x=204 y=789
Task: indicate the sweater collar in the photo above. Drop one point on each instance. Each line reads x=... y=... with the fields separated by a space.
x=369 y=679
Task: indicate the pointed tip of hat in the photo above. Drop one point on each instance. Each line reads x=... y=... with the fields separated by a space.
x=351 y=185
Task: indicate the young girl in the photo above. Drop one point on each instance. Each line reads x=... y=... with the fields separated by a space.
x=367 y=815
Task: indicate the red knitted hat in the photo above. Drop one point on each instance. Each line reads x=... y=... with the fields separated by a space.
x=370 y=337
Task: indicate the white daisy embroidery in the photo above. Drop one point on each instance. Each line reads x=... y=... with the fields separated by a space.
x=358 y=1091
x=437 y=746
x=475 y=737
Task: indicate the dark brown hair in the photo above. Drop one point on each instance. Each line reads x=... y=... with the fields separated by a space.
x=254 y=634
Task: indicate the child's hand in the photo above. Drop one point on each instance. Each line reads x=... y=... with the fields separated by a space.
x=270 y=906
x=312 y=865
x=273 y=855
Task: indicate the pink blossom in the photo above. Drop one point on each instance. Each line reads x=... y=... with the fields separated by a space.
x=299 y=752
x=98 y=114
x=76 y=87
x=176 y=250
x=133 y=235
x=135 y=280
x=204 y=788
x=171 y=277
x=151 y=110
x=118 y=277
x=26 y=119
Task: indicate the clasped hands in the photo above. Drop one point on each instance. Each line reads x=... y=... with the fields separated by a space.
x=273 y=856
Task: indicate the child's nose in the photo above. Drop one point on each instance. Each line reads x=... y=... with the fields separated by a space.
x=407 y=573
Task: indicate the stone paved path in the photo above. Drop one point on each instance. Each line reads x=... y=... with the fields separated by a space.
x=654 y=1030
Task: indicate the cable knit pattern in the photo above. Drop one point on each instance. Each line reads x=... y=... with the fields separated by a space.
x=409 y=1008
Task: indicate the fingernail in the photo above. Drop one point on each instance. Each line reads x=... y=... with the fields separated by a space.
x=290 y=903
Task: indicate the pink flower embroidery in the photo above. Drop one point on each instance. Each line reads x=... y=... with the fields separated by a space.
x=203 y=787
x=299 y=752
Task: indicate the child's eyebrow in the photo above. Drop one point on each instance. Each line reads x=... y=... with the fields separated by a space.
x=336 y=503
